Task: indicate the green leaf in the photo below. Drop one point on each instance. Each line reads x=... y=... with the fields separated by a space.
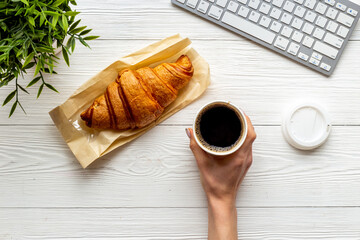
x=85 y=32
x=74 y=25
x=73 y=43
x=21 y=107
x=31 y=21
x=23 y=89
x=71 y=13
x=30 y=65
x=51 y=87
x=28 y=59
x=13 y=108
x=54 y=20
x=83 y=42
x=40 y=90
x=65 y=22
x=9 y=97
x=25 y=2
x=73 y=2
x=35 y=80
x=91 y=38
x=52 y=13
x=57 y=3
x=66 y=56
x=77 y=30
x=37 y=69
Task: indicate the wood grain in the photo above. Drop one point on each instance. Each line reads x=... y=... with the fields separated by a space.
x=250 y=80
x=38 y=170
x=176 y=223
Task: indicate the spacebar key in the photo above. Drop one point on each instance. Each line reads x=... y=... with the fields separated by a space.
x=248 y=27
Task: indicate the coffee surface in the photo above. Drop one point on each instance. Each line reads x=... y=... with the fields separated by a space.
x=220 y=126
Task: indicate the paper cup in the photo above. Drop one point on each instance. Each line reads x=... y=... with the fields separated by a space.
x=216 y=150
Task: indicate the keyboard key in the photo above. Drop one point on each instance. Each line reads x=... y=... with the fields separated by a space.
x=314 y=61
x=265 y=21
x=321 y=8
x=289 y=6
x=325 y=66
x=248 y=27
x=215 y=12
x=297 y=36
x=308 y=41
x=243 y=11
x=330 y=2
x=265 y=8
x=341 y=6
x=243 y=1
x=317 y=56
x=254 y=4
x=325 y=49
x=286 y=18
x=299 y=1
x=333 y=40
x=293 y=49
x=281 y=43
x=331 y=13
x=345 y=19
x=192 y=3
x=181 y=1
x=278 y=3
x=303 y=56
x=276 y=26
x=343 y=31
x=203 y=6
x=310 y=4
x=297 y=23
x=233 y=6
x=318 y=33
x=254 y=16
x=275 y=13
x=308 y=28
x=332 y=26
x=310 y=16
x=221 y=3
x=286 y=31
x=321 y=21
x=352 y=12
x=299 y=11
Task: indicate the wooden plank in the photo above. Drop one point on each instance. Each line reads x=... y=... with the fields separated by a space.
x=243 y=73
x=152 y=19
x=177 y=223
x=38 y=170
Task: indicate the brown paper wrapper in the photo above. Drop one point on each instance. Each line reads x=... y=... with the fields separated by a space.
x=88 y=144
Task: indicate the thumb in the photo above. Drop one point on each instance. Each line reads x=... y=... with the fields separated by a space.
x=195 y=148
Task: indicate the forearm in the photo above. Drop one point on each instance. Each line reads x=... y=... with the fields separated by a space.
x=222 y=223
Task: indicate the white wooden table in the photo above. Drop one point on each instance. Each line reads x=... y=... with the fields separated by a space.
x=150 y=188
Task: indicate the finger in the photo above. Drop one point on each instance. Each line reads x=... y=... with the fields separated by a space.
x=198 y=152
x=251 y=134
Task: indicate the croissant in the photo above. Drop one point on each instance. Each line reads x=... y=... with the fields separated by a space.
x=138 y=97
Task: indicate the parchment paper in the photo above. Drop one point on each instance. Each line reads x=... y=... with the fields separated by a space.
x=87 y=144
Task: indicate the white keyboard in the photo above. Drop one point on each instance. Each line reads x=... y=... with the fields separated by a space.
x=311 y=32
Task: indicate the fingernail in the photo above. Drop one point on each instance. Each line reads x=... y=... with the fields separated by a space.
x=187 y=132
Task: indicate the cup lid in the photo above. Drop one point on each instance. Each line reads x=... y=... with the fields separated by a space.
x=306 y=126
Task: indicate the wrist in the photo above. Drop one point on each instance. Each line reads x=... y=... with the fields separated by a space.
x=222 y=219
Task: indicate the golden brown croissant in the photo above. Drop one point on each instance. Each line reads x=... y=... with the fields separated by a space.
x=138 y=98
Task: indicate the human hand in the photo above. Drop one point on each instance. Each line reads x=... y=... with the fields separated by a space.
x=221 y=176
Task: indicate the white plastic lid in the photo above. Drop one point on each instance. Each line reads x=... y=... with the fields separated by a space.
x=306 y=126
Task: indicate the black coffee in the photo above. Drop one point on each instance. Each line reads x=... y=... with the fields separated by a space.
x=220 y=126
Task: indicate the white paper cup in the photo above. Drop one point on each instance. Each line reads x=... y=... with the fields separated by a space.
x=215 y=150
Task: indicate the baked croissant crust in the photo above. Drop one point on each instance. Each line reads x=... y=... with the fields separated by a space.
x=138 y=97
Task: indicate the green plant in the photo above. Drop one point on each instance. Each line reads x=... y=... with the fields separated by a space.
x=30 y=31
